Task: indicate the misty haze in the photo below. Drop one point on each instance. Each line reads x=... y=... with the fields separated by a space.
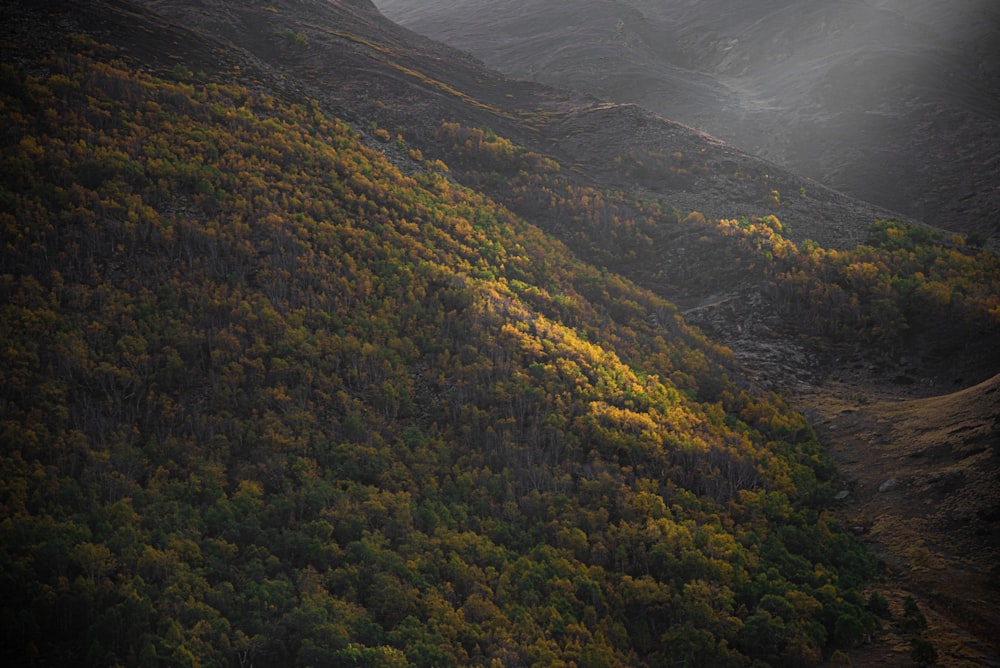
x=894 y=101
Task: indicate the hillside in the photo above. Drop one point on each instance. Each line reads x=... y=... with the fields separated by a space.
x=922 y=487
x=895 y=102
x=365 y=69
x=324 y=345
x=269 y=400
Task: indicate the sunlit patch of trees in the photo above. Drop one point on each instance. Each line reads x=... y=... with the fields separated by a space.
x=265 y=400
x=906 y=276
x=874 y=295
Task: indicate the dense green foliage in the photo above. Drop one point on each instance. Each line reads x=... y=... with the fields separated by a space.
x=266 y=400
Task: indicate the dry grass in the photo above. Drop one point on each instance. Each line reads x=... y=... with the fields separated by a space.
x=937 y=527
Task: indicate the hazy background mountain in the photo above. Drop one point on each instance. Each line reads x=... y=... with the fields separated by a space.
x=893 y=101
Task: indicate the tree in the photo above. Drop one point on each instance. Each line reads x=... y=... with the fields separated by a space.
x=922 y=651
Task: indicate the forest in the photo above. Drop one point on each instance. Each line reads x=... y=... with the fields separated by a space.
x=908 y=287
x=267 y=399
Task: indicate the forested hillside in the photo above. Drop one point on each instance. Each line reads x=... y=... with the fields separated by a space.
x=909 y=299
x=266 y=400
x=325 y=356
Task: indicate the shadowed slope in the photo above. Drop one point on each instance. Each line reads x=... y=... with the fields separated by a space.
x=924 y=483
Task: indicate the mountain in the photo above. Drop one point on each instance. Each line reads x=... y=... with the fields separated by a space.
x=326 y=345
x=895 y=102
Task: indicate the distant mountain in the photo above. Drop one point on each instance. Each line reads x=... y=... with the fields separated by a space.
x=324 y=344
x=897 y=103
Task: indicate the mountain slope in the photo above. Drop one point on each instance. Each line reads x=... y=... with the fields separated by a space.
x=923 y=487
x=268 y=400
x=894 y=102
x=337 y=54
x=353 y=61
x=279 y=389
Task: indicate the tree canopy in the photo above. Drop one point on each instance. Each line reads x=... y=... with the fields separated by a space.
x=267 y=400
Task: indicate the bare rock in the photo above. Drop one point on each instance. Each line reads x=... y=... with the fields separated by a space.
x=888 y=485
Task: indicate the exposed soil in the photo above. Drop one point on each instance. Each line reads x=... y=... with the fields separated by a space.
x=920 y=468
